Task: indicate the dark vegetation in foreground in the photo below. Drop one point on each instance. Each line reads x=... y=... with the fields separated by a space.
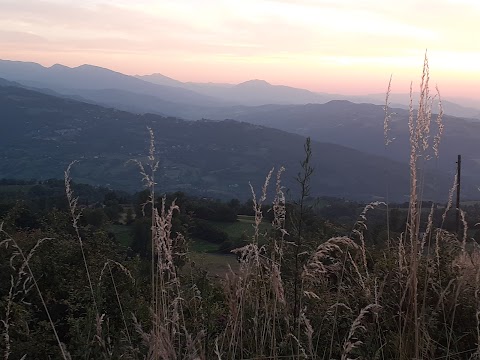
x=116 y=233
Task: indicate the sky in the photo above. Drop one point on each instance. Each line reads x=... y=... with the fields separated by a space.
x=334 y=46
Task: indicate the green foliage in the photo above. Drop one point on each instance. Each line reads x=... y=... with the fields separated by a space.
x=204 y=231
x=336 y=295
x=57 y=267
x=94 y=217
x=142 y=237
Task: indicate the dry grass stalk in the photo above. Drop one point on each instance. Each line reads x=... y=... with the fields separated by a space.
x=465 y=231
x=444 y=217
x=21 y=286
x=476 y=355
x=358 y=327
x=169 y=337
x=428 y=231
x=100 y=338
x=75 y=215
x=327 y=258
x=387 y=140
x=255 y=294
x=441 y=127
x=360 y=226
x=419 y=128
x=388 y=116
x=108 y=264
x=148 y=179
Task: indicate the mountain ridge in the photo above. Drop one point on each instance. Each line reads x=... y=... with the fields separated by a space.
x=69 y=79
x=206 y=157
x=247 y=93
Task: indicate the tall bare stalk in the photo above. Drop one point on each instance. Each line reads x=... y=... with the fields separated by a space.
x=303 y=179
x=386 y=141
x=419 y=129
x=21 y=284
x=75 y=215
x=169 y=337
x=257 y=318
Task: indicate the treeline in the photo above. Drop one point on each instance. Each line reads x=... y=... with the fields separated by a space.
x=28 y=202
x=43 y=213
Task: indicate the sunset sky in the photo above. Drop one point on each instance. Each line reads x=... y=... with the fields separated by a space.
x=334 y=46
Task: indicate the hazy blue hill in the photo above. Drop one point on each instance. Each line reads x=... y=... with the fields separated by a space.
x=187 y=100
x=259 y=92
x=4 y=82
x=250 y=93
x=460 y=111
x=455 y=106
x=360 y=126
x=126 y=100
x=41 y=134
x=142 y=103
x=20 y=70
x=160 y=79
x=66 y=80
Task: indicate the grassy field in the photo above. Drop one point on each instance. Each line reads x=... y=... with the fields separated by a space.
x=243 y=225
x=246 y=218
x=202 y=246
x=216 y=265
x=123 y=234
x=234 y=230
x=203 y=253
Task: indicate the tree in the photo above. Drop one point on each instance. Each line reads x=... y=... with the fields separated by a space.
x=129 y=217
x=303 y=179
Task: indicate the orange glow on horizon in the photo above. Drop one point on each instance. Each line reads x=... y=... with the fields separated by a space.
x=336 y=47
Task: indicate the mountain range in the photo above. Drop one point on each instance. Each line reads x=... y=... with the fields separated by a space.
x=360 y=126
x=66 y=80
x=41 y=134
x=185 y=99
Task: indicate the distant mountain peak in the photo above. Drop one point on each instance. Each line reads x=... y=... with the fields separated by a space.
x=83 y=66
x=339 y=102
x=59 y=66
x=255 y=82
x=95 y=67
x=156 y=75
x=160 y=79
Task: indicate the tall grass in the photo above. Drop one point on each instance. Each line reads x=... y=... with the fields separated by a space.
x=20 y=286
x=169 y=337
